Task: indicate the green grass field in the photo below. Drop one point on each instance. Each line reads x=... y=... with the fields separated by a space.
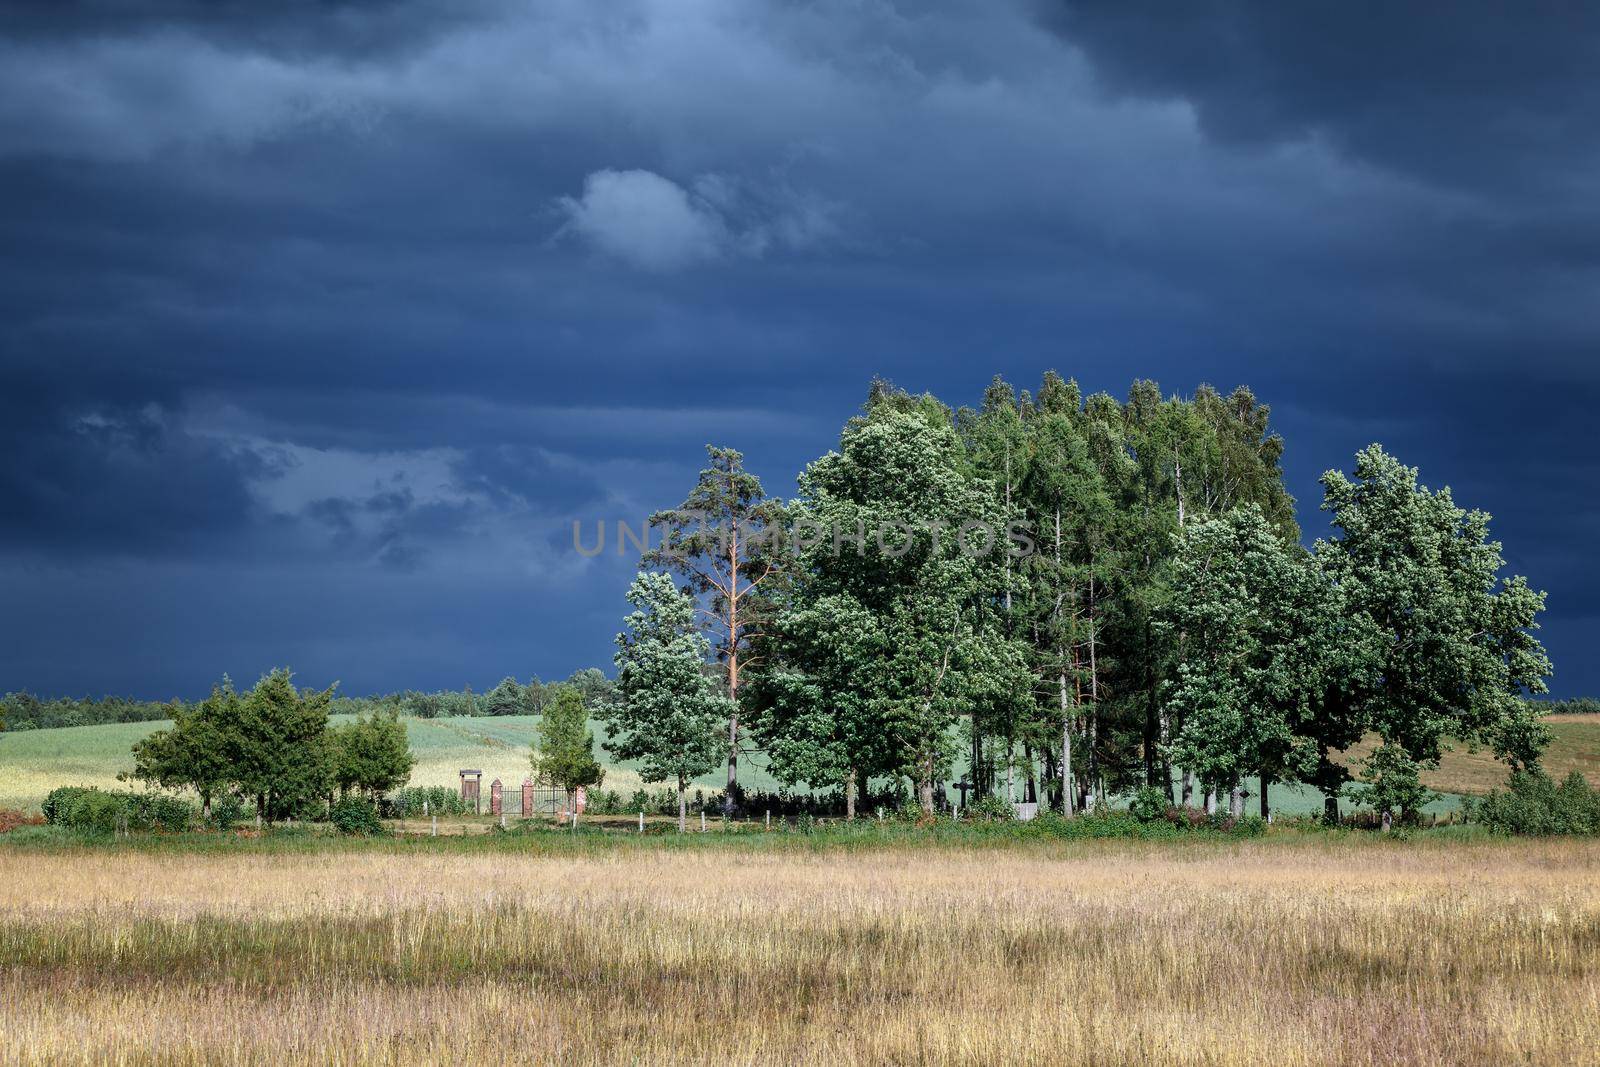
x=32 y=762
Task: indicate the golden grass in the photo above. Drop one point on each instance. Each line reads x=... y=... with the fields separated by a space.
x=1242 y=953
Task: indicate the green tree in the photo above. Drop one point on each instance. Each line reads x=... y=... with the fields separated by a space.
x=897 y=544
x=1251 y=612
x=997 y=442
x=565 y=753
x=280 y=750
x=591 y=684
x=198 y=751
x=1072 y=516
x=668 y=712
x=819 y=725
x=1453 y=651
x=1392 y=783
x=371 y=754
x=726 y=541
x=506 y=698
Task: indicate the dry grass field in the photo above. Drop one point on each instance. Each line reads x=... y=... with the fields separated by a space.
x=1574 y=746
x=1281 y=951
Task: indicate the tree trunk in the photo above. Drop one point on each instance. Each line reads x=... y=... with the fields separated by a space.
x=683 y=808
x=925 y=786
x=733 y=761
x=1067 y=805
x=1094 y=687
x=1211 y=800
x=1330 y=809
x=1188 y=788
x=1236 y=801
x=1266 y=808
x=1030 y=790
x=1011 y=770
x=850 y=795
x=976 y=755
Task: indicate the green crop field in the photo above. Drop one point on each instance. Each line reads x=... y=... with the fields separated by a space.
x=32 y=762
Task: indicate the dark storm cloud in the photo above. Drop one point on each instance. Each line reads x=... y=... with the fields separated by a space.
x=359 y=305
x=1469 y=94
x=352 y=28
x=124 y=482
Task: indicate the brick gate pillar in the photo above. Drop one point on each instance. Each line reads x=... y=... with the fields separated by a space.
x=527 y=798
x=496 y=798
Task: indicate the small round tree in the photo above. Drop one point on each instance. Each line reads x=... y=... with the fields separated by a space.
x=564 y=756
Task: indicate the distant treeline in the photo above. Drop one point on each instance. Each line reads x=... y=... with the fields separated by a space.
x=25 y=711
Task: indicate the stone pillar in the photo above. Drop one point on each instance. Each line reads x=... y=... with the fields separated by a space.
x=580 y=799
x=527 y=798
x=496 y=798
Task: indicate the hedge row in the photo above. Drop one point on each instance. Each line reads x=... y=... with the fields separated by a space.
x=96 y=811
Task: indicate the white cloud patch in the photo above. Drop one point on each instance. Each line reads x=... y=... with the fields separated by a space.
x=656 y=224
x=644 y=219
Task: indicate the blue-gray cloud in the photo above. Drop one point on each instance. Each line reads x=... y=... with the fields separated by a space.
x=362 y=303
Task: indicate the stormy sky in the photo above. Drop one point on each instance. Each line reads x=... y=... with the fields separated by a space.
x=321 y=321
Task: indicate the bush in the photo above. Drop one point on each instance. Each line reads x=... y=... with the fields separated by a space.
x=1535 y=805
x=227 y=811
x=96 y=811
x=356 y=816
x=1149 y=804
x=1393 y=783
x=155 y=811
x=1177 y=824
x=991 y=808
x=59 y=800
x=409 y=803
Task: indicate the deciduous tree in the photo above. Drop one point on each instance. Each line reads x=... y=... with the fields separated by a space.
x=668 y=712
x=564 y=755
x=1453 y=650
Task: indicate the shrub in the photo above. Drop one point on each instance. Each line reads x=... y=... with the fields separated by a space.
x=1393 y=783
x=156 y=811
x=410 y=803
x=59 y=800
x=356 y=816
x=95 y=811
x=1149 y=804
x=1533 y=804
x=227 y=811
x=991 y=808
x=1176 y=824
